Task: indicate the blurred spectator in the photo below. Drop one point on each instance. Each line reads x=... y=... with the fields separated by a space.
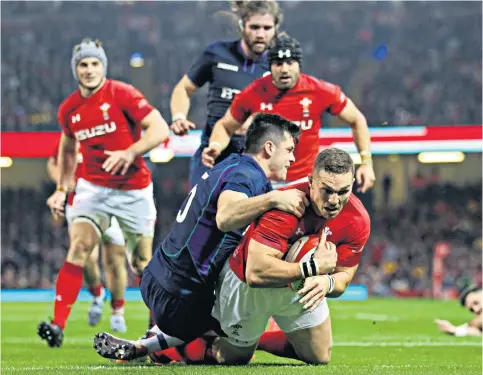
x=436 y=80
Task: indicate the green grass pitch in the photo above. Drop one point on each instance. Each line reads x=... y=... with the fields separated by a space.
x=378 y=336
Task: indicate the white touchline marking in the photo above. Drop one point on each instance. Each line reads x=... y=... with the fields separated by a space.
x=408 y=344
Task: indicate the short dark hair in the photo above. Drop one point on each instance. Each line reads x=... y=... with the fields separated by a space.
x=334 y=160
x=466 y=291
x=268 y=127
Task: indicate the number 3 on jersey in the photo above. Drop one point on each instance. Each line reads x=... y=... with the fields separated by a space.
x=183 y=212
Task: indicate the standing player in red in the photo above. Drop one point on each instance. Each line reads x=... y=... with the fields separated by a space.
x=113 y=257
x=106 y=117
x=300 y=98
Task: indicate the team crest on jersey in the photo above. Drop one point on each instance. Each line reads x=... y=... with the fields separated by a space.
x=327 y=231
x=305 y=103
x=104 y=108
x=266 y=106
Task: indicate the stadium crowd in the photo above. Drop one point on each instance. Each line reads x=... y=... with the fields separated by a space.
x=373 y=56
x=397 y=259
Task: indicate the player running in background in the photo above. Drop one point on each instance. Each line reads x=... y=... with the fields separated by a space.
x=106 y=117
x=228 y=66
x=471 y=299
x=300 y=98
x=178 y=283
x=113 y=257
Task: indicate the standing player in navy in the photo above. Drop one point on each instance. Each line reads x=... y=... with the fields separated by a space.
x=178 y=283
x=229 y=66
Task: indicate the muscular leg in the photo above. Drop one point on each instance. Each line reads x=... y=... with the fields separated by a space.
x=313 y=345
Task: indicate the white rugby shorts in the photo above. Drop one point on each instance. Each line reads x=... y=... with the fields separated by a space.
x=243 y=312
x=134 y=210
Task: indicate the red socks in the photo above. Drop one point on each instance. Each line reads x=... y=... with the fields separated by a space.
x=277 y=344
x=117 y=304
x=95 y=290
x=67 y=287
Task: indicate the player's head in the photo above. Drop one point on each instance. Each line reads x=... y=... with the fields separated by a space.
x=89 y=63
x=331 y=182
x=285 y=57
x=471 y=298
x=271 y=139
x=258 y=22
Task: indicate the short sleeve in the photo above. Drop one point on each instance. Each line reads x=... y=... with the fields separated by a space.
x=202 y=69
x=132 y=102
x=349 y=253
x=241 y=181
x=241 y=107
x=274 y=229
x=335 y=98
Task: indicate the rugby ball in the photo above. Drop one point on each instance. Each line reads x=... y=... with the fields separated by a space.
x=301 y=251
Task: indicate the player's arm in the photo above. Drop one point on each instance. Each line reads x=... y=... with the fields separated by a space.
x=67 y=161
x=236 y=210
x=53 y=169
x=266 y=269
x=352 y=116
x=157 y=131
x=180 y=105
x=220 y=137
x=357 y=121
x=342 y=278
x=466 y=329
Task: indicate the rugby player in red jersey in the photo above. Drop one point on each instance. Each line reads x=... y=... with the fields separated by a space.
x=300 y=98
x=106 y=118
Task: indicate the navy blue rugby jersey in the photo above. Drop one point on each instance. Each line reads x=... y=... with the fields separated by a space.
x=224 y=65
x=192 y=255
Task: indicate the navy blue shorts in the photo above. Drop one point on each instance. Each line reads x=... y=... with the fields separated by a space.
x=185 y=319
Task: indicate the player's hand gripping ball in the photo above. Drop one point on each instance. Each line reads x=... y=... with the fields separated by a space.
x=301 y=251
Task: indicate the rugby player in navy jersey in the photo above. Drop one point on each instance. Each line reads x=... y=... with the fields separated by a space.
x=228 y=66
x=178 y=283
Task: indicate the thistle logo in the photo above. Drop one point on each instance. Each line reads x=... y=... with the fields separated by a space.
x=305 y=103
x=265 y=106
x=104 y=108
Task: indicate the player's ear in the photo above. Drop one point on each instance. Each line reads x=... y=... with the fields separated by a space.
x=269 y=148
x=310 y=179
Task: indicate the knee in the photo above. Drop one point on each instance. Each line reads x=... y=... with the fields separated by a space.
x=319 y=357
x=138 y=263
x=80 y=249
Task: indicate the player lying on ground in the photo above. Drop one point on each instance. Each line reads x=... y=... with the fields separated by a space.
x=228 y=66
x=178 y=284
x=106 y=117
x=470 y=298
x=300 y=98
x=113 y=258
